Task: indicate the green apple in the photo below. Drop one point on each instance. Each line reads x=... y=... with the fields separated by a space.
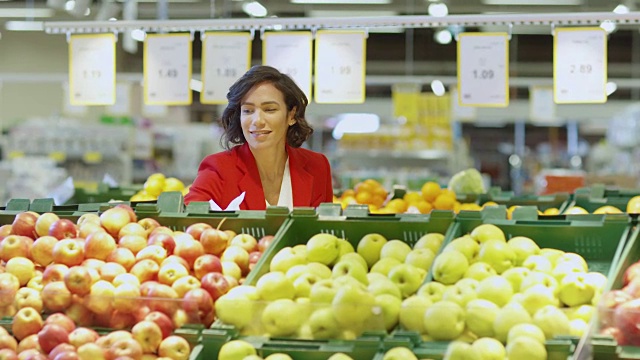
x=471 y=284
x=302 y=285
x=345 y=247
x=349 y=280
x=575 y=290
x=323 y=324
x=495 y=289
x=282 y=317
x=306 y=306
x=497 y=254
x=323 y=248
x=395 y=249
x=480 y=315
x=535 y=278
x=444 y=320
x=432 y=241
x=323 y=291
x=351 y=268
x=460 y=350
x=295 y=271
x=352 y=256
x=278 y=356
x=236 y=350
x=489 y=349
x=566 y=267
x=352 y=306
x=578 y=327
x=524 y=347
x=552 y=254
x=486 y=232
x=369 y=247
x=412 y=311
x=340 y=356
x=390 y=306
x=552 y=321
x=421 y=258
x=432 y=291
x=582 y=312
x=467 y=336
x=528 y=330
x=597 y=280
x=286 y=258
x=450 y=267
x=382 y=285
x=322 y=270
x=523 y=247
x=479 y=271
x=509 y=316
x=538 y=263
x=465 y=245
x=253 y=357
x=236 y=307
x=515 y=276
x=383 y=266
x=275 y=285
x=399 y=353
x=407 y=278
x=536 y=297
x=575 y=258
x=459 y=295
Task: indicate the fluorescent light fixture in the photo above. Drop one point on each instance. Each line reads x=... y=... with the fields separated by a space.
x=438 y=10
x=24 y=25
x=621 y=9
x=138 y=35
x=608 y=26
x=443 y=36
x=195 y=85
x=349 y=13
x=342 y=2
x=611 y=87
x=437 y=87
x=533 y=2
x=26 y=12
x=355 y=123
x=254 y=9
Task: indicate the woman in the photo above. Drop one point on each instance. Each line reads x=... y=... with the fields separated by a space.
x=265 y=121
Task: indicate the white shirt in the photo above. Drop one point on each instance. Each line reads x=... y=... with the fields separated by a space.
x=286 y=193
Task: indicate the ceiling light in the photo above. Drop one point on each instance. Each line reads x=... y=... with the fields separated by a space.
x=611 y=87
x=26 y=12
x=343 y=2
x=24 y=25
x=138 y=35
x=608 y=26
x=438 y=9
x=254 y=9
x=443 y=37
x=437 y=87
x=532 y=2
x=621 y=9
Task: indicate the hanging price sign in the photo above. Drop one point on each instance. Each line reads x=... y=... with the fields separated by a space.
x=167 y=69
x=290 y=52
x=225 y=58
x=580 y=65
x=340 y=67
x=483 y=69
x=92 y=69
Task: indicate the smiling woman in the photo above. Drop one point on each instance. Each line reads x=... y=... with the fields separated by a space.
x=264 y=124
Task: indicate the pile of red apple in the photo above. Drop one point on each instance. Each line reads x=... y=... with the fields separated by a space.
x=113 y=270
x=619 y=310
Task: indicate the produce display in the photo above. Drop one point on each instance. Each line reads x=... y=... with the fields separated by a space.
x=156 y=184
x=242 y=350
x=326 y=289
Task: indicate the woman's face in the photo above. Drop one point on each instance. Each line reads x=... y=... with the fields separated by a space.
x=264 y=117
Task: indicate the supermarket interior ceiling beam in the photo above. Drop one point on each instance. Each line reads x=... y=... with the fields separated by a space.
x=406 y=21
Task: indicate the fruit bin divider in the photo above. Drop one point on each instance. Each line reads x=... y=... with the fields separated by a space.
x=352 y=225
x=541 y=202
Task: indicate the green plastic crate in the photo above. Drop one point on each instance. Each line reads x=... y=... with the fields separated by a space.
x=598 y=195
x=104 y=193
x=541 y=202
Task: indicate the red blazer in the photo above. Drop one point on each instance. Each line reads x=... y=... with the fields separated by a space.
x=225 y=175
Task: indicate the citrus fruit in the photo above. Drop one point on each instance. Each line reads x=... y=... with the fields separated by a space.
x=173 y=184
x=576 y=210
x=430 y=191
x=551 y=211
x=607 y=209
x=633 y=206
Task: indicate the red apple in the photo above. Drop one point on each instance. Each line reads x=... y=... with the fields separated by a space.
x=214 y=241
x=148 y=224
x=195 y=230
x=245 y=241
x=238 y=255
x=66 y=355
x=631 y=272
x=88 y=218
x=122 y=256
x=163 y=321
x=68 y=252
x=61 y=348
x=82 y=335
x=108 y=340
x=205 y=264
x=89 y=228
x=233 y=282
x=141 y=312
x=215 y=284
x=198 y=302
x=42 y=250
x=154 y=252
x=8 y=342
x=43 y=223
x=146 y=286
x=162 y=229
x=264 y=242
x=114 y=219
x=110 y=270
x=135 y=243
x=80 y=314
x=608 y=303
x=145 y=270
x=171 y=272
x=148 y=334
x=32 y=354
x=231 y=234
x=36 y=283
x=30 y=342
x=125 y=348
x=627 y=318
x=615 y=333
x=132 y=228
x=162 y=298
x=24 y=224
x=61 y=320
x=254 y=257
x=63 y=229
x=54 y=272
x=184 y=284
x=98 y=245
x=78 y=280
x=27 y=321
x=8 y=354
x=56 y=296
x=51 y=336
x=91 y=351
x=132 y=214
x=164 y=240
x=189 y=250
x=120 y=320
x=9 y=285
x=174 y=347
x=28 y=297
x=93 y=264
x=13 y=246
x=5 y=230
x=126 y=297
x=176 y=259
x=22 y=268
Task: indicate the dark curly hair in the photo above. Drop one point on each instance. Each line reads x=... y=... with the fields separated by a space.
x=297 y=134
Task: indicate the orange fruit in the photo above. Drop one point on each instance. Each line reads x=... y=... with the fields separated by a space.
x=348 y=192
x=444 y=202
x=153 y=186
x=412 y=197
x=633 y=206
x=449 y=193
x=551 y=211
x=607 y=209
x=378 y=200
x=489 y=203
x=430 y=191
x=423 y=206
x=397 y=205
x=173 y=184
x=364 y=197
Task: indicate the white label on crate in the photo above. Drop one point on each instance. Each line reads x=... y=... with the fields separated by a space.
x=167 y=69
x=92 y=69
x=483 y=69
x=123 y=100
x=340 y=67
x=580 y=65
x=290 y=52
x=225 y=58
x=542 y=109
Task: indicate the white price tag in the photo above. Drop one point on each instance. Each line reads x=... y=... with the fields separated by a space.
x=67 y=108
x=290 y=53
x=542 y=109
x=483 y=69
x=580 y=65
x=225 y=58
x=167 y=69
x=92 y=69
x=340 y=67
x=461 y=113
x=123 y=100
